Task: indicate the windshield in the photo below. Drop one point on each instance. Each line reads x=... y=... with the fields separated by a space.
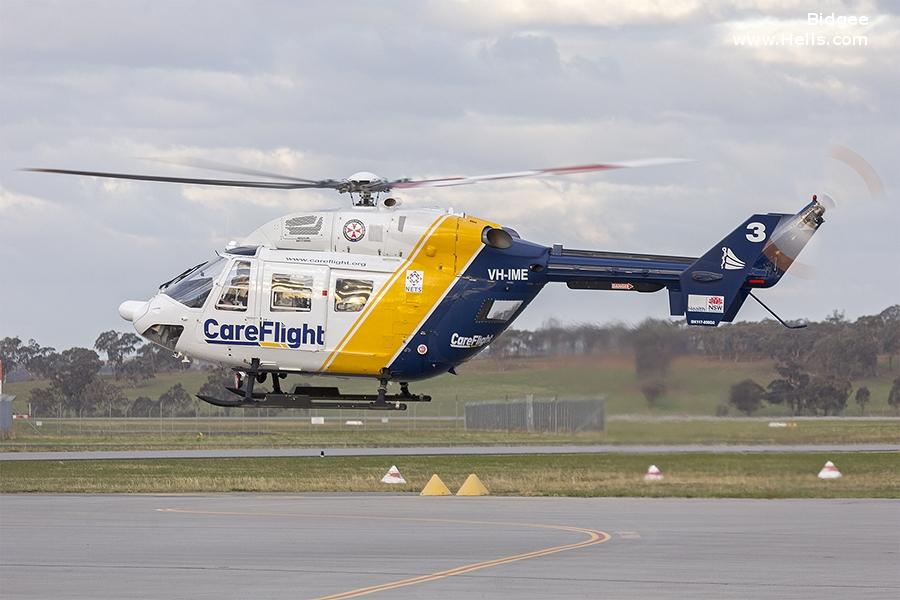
x=192 y=288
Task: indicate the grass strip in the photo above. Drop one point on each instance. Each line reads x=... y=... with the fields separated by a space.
x=866 y=475
x=99 y=434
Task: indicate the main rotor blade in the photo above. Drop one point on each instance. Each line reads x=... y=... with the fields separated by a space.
x=553 y=171
x=211 y=165
x=195 y=181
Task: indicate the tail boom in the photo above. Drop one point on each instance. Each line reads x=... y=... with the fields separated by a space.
x=706 y=290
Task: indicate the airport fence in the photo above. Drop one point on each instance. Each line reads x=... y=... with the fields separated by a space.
x=545 y=415
x=551 y=415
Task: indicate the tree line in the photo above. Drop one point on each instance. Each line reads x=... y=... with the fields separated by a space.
x=77 y=382
x=816 y=367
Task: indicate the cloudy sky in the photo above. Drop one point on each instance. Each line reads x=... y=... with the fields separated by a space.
x=324 y=89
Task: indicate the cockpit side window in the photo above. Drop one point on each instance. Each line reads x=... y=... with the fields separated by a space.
x=192 y=287
x=236 y=287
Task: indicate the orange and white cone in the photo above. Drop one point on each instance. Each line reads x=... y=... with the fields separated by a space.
x=829 y=471
x=653 y=474
x=393 y=476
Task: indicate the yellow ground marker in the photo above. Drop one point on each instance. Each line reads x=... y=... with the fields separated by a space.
x=472 y=487
x=435 y=487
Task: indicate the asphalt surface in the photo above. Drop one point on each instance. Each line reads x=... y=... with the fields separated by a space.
x=449 y=450
x=280 y=546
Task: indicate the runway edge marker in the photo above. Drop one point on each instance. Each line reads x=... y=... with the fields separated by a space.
x=393 y=476
x=435 y=487
x=472 y=487
x=653 y=474
x=829 y=471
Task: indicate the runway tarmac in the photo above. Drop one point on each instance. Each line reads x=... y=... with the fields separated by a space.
x=450 y=450
x=402 y=546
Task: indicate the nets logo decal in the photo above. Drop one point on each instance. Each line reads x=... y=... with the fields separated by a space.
x=354 y=230
x=414 y=280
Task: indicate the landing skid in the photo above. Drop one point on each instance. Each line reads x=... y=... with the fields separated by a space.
x=311 y=397
x=315 y=397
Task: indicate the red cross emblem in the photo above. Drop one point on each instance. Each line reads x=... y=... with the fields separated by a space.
x=354 y=230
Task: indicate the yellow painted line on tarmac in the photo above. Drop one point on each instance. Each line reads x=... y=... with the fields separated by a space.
x=594 y=537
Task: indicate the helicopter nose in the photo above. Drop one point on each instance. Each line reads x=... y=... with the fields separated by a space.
x=130 y=309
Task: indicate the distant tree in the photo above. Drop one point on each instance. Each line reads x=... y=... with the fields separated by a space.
x=137 y=370
x=790 y=389
x=215 y=384
x=45 y=401
x=117 y=346
x=826 y=396
x=894 y=395
x=655 y=344
x=159 y=359
x=142 y=407
x=41 y=361
x=746 y=396
x=847 y=353
x=836 y=317
x=176 y=401
x=862 y=398
x=890 y=334
x=73 y=371
x=106 y=398
x=653 y=391
x=11 y=354
x=16 y=354
x=790 y=345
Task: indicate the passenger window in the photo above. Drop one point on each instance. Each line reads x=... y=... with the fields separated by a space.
x=237 y=288
x=351 y=295
x=291 y=292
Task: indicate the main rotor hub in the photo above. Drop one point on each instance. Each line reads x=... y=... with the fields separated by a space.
x=365 y=184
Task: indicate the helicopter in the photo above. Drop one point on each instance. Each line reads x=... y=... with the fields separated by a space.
x=400 y=294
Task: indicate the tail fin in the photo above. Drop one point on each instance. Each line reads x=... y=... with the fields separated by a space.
x=755 y=255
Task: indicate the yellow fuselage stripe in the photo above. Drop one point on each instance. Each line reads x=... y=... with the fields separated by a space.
x=383 y=332
x=373 y=302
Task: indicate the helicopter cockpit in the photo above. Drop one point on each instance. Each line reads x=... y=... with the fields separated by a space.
x=193 y=286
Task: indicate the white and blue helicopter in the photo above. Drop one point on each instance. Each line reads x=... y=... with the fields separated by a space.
x=403 y=294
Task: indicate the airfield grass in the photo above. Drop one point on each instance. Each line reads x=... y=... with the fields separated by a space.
x=866 y=475
x=696 y=385
x=136 y=434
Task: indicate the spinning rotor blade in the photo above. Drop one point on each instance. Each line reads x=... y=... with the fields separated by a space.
x=553 y=171
x=792 y=234
x=862 y=167
x=195 y=181
x=211 y=165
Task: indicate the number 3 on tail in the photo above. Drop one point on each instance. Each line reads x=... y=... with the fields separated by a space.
x=756 y=232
